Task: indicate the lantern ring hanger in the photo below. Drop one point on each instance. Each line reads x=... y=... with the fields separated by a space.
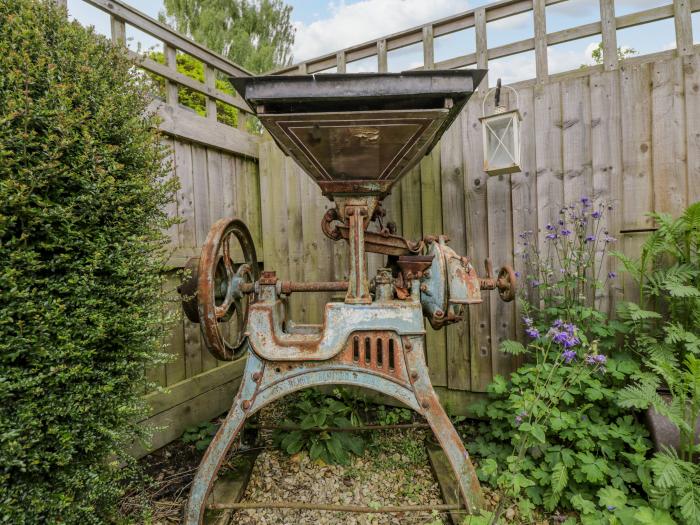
x=497 y=98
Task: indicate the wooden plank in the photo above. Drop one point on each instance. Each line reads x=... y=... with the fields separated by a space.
x=171 y=88
x=635 y=96
x=175 y=369
x=668 y=137
x=186 y=125
x=431 y=224
x=573 y=33
x=684 y=26
x=482 y=48
x=609 y=34
x=210 y=82
x=118 y=29
x=500 y=235
x=295 y=237
x=428 y=48
x=606 y=154
x=341 y=63
x=524 y=199
x=576 y=140
x=443 y=473
x=453 y=221
x=185 y=195
x=199 y=406
x=548 y=154
x=164 y=33
x=476 y=221
x=382 y=63
x=692 y=118
x=540 y=27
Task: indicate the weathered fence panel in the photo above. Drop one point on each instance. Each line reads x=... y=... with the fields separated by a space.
x=627 y=132
x=622 y=136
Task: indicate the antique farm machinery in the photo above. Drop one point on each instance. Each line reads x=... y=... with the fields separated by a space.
x=355 y=135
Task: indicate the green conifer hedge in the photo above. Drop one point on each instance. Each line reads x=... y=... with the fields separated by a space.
x=82 y=189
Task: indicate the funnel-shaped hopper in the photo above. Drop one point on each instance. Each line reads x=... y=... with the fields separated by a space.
x=358 y=134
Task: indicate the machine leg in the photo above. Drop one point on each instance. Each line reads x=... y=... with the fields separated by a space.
x=444 y=430
x=215 y=454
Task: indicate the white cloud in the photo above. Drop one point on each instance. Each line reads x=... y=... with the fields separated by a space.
x=350 y=24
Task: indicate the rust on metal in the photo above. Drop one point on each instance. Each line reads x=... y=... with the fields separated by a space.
x=355 y=136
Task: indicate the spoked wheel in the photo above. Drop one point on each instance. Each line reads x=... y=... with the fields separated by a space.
x=224 y=291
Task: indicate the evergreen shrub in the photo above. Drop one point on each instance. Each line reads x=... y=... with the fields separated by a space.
x=83 y=185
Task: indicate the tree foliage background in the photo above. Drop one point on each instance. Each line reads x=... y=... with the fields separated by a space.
x=257 y=35
x=82 y=192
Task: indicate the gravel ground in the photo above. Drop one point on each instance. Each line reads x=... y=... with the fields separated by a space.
x=393 y=471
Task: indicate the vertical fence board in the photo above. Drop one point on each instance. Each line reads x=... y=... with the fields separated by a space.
x=476 y=227
x=548 y=154
x=691 y=71
x=668 y=137
x=635 y=99
x=524 y=198
x=606 y=156
x=453 y=221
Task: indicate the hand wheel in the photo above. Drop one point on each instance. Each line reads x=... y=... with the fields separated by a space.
x=506 y=283
x=222 y=290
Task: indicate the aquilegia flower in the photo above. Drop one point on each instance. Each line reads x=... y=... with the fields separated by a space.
x=596 y=214
x=564 y=334
x=612 y=275
x=596 y=359
x=568 y=356
x=519 y=418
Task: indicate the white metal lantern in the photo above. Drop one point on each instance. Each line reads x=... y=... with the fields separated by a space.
x=501 y=137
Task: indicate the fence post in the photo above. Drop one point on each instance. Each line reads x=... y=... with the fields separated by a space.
x=210 y=81
x=609 y=29
x=171 y=95
x=428 y=48
x=118 y=28
x=482 y=52
x=684 y=26
x=302 y=68
x=540 y=20
x=382 y=58
x=340 y=59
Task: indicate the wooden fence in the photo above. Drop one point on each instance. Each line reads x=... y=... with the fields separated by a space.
x=624 y=131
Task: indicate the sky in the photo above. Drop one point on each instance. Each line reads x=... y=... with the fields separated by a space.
x=324 y=26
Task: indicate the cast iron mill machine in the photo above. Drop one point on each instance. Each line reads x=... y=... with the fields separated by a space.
x=355 y=135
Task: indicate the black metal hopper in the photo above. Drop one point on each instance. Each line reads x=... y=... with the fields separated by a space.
x=358 y=134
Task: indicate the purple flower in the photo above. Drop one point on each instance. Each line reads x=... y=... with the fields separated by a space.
x=533 y=332
x=527 y=321
x=550 y=227
x=565 y=232
x=517 y=274
x=612 y=275
x=597 y=214
x=596 y=359
x=551 y=236
x=585 y=201
x=535 y=283
x=561 y=223
x=568 y=355
x=611 y=507
x=609 y=239
x=519 y=418
x=564 y=334
x=590 y=238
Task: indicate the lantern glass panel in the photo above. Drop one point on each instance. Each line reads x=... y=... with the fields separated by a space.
x=501 y=143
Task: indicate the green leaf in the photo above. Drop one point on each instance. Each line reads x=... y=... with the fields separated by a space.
x=560 y=477
x=513 y=347
x=611 y=497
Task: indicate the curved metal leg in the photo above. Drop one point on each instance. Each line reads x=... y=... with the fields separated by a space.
x=444 y=430
x=264 y=383
x=215 y=454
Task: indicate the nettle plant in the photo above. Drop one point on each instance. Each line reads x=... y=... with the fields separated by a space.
x=556 y=436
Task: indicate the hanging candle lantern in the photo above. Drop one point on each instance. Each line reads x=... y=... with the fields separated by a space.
x=501 y=136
